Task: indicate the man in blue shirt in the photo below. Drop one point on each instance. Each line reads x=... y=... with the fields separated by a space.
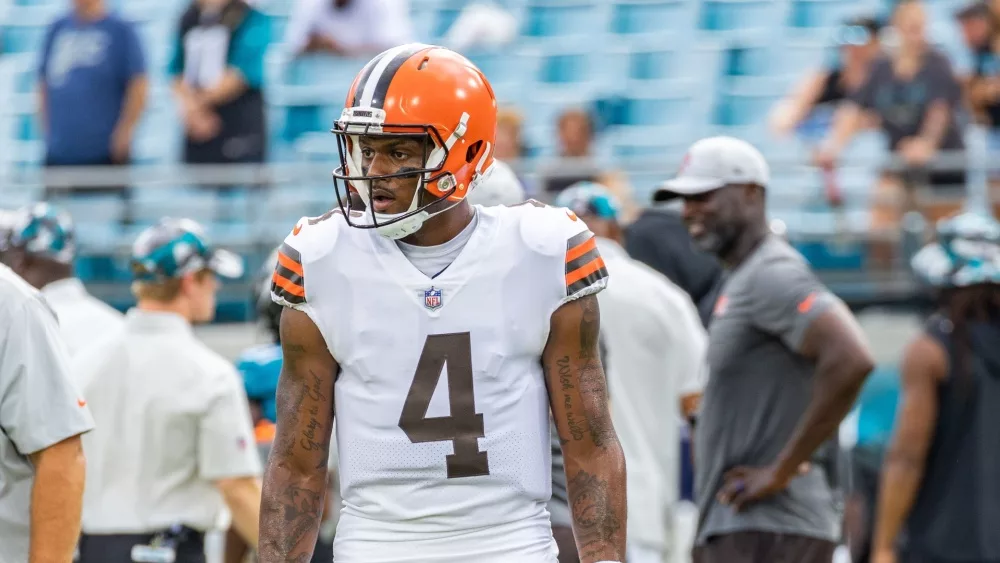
x=93 y=87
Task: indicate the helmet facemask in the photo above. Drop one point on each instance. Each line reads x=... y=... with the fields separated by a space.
x=359 y=122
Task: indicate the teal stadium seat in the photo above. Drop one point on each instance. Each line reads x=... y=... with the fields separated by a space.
x=653 y=17
x=743 y=16
x=561 y=18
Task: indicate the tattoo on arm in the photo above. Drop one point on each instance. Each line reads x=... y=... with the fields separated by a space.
x=295 y=479
x=594 y=518
x=595 y=464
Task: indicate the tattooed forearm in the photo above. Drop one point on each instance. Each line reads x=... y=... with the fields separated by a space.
x=595 y=520
x=574 y=423
x=295 y=480
x=595 y=464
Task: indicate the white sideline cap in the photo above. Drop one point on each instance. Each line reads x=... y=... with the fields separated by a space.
x=713 y=163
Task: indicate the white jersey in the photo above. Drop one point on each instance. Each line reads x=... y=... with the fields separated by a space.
x=437 y=467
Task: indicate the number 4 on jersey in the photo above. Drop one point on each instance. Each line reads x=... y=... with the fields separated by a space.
x=463 y=427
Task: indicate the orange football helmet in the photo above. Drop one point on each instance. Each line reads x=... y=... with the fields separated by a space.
x=414 y=90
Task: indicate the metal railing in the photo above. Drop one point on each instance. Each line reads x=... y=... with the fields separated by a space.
x=285 y=178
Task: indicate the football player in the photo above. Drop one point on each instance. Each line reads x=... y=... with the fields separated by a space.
x=382 y=300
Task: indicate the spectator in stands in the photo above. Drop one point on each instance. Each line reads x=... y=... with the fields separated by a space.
x=857 y=46
x=576 y=162
x=979 y=30
x=93 y=87
x=218 y=71
x=353 y=28
x=510 y=141
x=40 y=248
x=916 y=98
x=655 y=364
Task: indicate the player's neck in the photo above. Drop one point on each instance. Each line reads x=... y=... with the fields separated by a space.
x=745 y=246
x=443 y=227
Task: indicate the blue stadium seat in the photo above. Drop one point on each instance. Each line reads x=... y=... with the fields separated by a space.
x=563 y=18
x=820 y=13
x=748 y=59
x=565 y=68
x=738 y=15
x=652 y=16
x=506 y=65
x=665 y=61
x=677 y=102
x=747 y=101
x=21 y=38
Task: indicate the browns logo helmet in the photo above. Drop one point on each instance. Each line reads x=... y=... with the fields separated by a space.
x=417 y=90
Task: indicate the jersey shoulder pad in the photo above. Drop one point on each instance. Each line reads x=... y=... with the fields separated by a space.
x=545 y=229
x=311 y=239
x=558 y=232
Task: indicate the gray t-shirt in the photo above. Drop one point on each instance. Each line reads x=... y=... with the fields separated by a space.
x=39 y=404
x=902 y=104
x=758 y=389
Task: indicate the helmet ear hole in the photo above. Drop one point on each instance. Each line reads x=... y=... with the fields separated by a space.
x=473 y=151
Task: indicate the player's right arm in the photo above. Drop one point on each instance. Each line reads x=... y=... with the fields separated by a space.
x=296 y=474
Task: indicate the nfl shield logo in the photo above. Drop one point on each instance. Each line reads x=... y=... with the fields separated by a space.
x=432 y=298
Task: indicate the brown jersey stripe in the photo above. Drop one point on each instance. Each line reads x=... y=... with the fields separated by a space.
x=582 y=260
x=290 y=275
x=584 y=271
x=290 y=252
x=576 y=240
x=289 y=265
x=282 y=285
x=590 y=279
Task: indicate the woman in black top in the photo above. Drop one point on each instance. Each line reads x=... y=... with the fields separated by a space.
x=857 y=46
x=940 y=488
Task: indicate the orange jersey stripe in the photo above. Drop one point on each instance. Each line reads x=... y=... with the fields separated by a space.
x=289 y=263
x=581 y=249
x=585 y=270
x=288 y=285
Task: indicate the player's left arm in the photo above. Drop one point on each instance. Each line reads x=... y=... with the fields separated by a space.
x=595 y=463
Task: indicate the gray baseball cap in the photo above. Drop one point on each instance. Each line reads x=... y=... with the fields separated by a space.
x=713 y=163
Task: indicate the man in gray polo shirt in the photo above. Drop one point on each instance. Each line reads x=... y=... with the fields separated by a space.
x=41 y=419
x=786 y=361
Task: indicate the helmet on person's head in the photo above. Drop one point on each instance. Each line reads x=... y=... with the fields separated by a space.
x=268 y=311
x=590 y=199
x=424 y=91
x=173 y=248
x=966 y=252
x=41 y=230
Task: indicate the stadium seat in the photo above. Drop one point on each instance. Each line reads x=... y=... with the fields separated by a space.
x=672 y=102
x=746 y=101
x=744 y=16
x=820 y=13
x=559 y=18
x=654 y=17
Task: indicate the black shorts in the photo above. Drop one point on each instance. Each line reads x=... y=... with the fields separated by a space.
x=117 y=548
x=764 y=547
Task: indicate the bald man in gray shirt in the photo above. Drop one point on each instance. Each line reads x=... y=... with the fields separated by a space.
x=41 y=419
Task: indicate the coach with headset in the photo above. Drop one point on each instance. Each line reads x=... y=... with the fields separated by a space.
x=174 y=441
